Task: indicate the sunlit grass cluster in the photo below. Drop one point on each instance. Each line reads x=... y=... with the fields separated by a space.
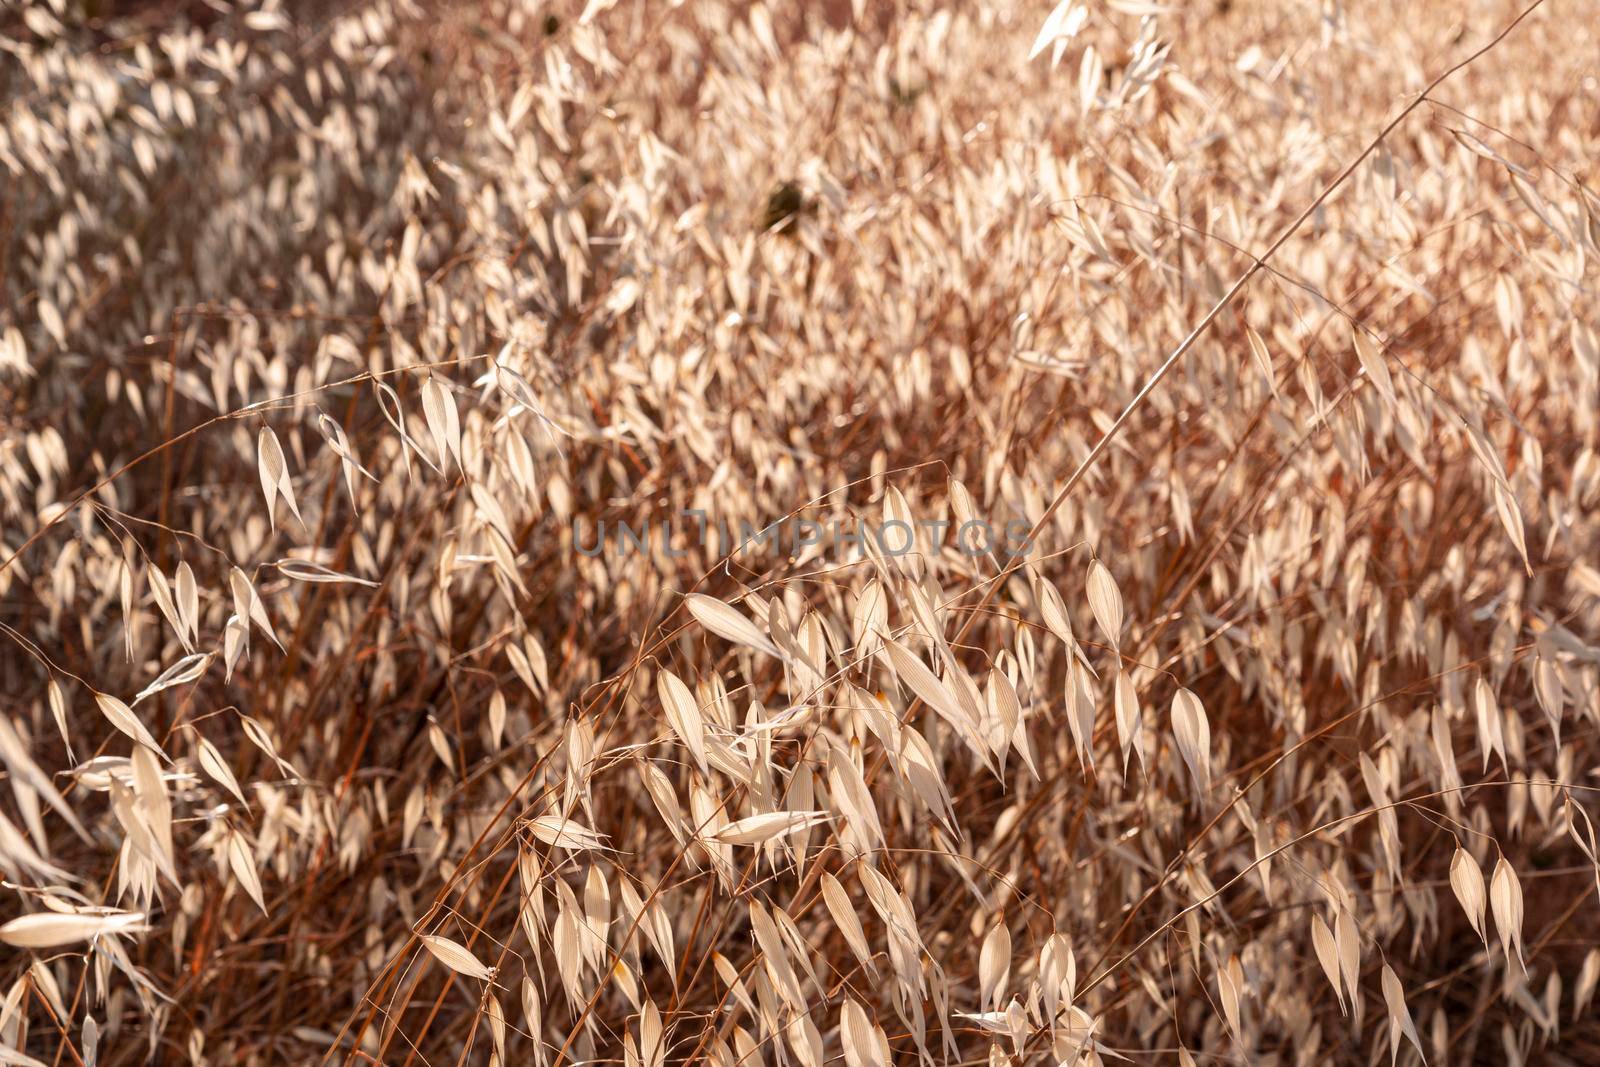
x=398 y=664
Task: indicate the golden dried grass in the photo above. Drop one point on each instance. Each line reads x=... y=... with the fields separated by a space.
x=352 y=715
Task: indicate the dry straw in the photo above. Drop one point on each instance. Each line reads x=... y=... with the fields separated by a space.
x=332 y=336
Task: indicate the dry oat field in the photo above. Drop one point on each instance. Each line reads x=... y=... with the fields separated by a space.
x=852 y=533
